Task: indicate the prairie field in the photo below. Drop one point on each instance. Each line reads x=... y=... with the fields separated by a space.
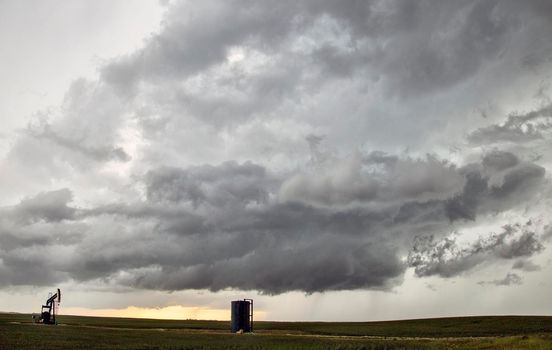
x=78 y=332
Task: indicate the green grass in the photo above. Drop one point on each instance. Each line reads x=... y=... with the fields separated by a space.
x=76 y=332
x=482 y=326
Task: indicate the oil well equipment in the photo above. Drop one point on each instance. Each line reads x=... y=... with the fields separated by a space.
x=49 y=311
x=242 y=316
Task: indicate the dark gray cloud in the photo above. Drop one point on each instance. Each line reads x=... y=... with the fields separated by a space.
x=232 y=226
x=215 y=227
x=30 y=234
x=510 y=279
x=487 y=189
x=374 y=178
x=228 y=184
x=499 y=160
x=211 y=227
x=526 y=265
x=39 y=234
x=50 y=206
x=272 y=257
x=325 y=263
x=517 y=180
x=447 y=258
x=98 y=153
x=517 y=128
x=466 y=204
x=416 y=190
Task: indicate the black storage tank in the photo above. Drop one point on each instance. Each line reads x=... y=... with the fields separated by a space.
x=242 y=316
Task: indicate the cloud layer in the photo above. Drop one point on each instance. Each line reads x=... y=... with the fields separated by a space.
x=292 y=146
x=229 y=226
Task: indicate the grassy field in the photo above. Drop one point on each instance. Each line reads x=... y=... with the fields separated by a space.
x=76 y=332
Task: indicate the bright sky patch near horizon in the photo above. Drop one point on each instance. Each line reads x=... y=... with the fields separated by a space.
x=333 y=160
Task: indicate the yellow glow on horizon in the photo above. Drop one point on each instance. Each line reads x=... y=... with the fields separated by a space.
x=175 y=312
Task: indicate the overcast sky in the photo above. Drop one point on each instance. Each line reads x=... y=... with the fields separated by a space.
x=333 y=160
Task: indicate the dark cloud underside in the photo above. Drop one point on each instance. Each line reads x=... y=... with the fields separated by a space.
x=226 y=226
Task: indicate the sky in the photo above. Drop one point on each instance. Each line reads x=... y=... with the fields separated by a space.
x=333 y=160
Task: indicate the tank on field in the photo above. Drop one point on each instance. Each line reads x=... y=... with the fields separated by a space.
x=242 y=316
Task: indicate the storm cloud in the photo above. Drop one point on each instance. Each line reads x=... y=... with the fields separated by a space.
x=305 y=146
x=233 y=225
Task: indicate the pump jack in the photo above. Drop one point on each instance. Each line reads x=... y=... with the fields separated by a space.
x=49 y=311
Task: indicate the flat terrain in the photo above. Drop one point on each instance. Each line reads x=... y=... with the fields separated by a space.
x=76 y=332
